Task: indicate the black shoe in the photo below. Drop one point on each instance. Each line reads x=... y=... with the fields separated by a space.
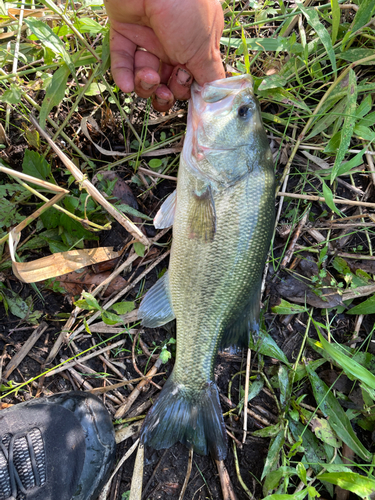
x=57 y=448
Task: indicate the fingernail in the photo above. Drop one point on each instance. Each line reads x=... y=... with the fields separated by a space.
x=183 y=77
x=147 y=86
x=160 y=100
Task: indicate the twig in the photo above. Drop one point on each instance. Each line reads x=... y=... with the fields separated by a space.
x=226 y=484
x=260 y=419
x=2 y=357
x=357 y=327
x=85 y=183
x=238 y=443
x=345 y=225
x=350 y=186
x=66 y=138
x=15 y=57
x=103 y=390
x=345 y=255
x=27 y=346
x=135 y=393
x=137 y=478
x=360 y=291
x=153 y=474
x=302 y=484
x=60 y=193
x=289 y=253
x=294 y=21
x=129 y=431
x=349 y=6
x=188 y=473
x=67 y=21
x=371 y=166
x=134 y=362
x=85 y=358
x=246 y=395
x=236 y=463
x=320 y=198
x=156 y=174
x=123 y=292
x=11 y=342
x=64 y=334
x=105 y=491
x=321 y=148
x=112 y=367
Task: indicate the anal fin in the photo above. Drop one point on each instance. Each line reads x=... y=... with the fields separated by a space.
x=237 y=333
x=202 y=216
x=165 y=216
x=156 y=306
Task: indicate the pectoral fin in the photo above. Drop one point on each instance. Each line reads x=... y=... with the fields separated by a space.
x=165 y=216
x=156 y=306
x=202 y=216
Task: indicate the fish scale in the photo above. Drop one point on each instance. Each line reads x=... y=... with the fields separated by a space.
x=222 y=228
x=222 y=274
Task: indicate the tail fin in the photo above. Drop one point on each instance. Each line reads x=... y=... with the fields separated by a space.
x=193 y=418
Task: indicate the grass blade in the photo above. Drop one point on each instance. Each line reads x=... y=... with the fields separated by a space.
x=44 y=33
x=360 y=485
x=338 y=419
x=268 y=347
x=352 y=55
x=348 y=126
x=262 y=44
x=312 y=18
x=364 y=13
x=273 y=453
x=300 y=495
x=55 y=92
x=335 y=20
x=366 y=307
x=327 y=119
x=350 y=366
x=328 y=196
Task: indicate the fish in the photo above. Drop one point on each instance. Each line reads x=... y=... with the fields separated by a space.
x=222 y=214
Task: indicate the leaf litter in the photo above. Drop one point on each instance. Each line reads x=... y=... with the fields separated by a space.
x=309 y=387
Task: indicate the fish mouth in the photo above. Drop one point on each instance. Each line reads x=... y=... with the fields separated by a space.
x=215 y=98
x=215 y=92
x=220 y=89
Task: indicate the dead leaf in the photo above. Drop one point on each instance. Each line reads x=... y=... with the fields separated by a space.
x=121 y=191
x=4 y=405
x=365 y=265
x=75 y=282
x=106 y=265
x=299 y=288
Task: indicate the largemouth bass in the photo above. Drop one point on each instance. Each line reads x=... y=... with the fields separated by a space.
x=223 y=217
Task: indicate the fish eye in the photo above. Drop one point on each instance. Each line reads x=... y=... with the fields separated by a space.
x=243 y=111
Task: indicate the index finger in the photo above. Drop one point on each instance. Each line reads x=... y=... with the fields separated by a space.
x=122 y=60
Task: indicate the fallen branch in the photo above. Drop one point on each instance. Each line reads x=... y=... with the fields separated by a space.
x=320 y=198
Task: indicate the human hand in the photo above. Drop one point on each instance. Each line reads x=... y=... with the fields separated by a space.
x=181 y=40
